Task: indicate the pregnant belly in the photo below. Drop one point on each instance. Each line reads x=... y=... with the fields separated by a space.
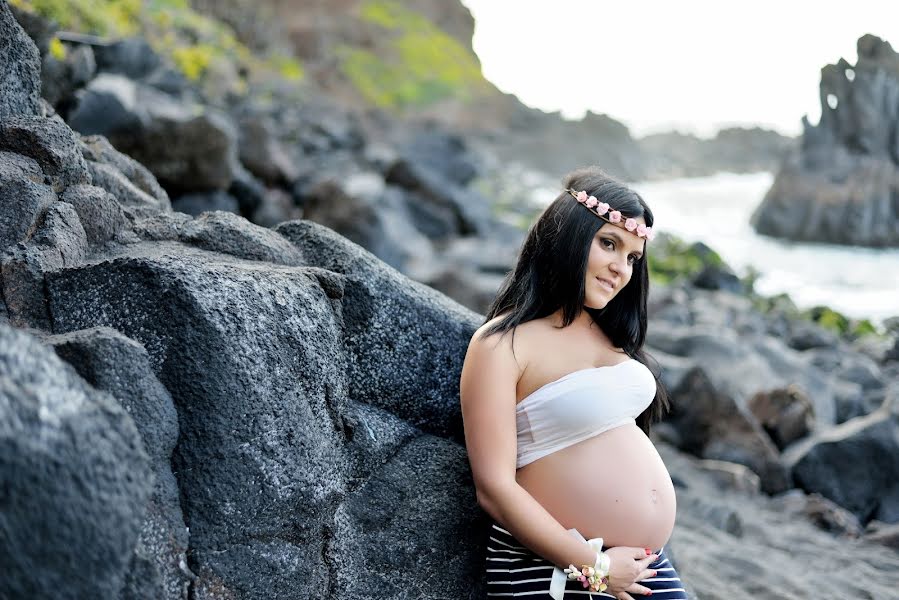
x=613 y=485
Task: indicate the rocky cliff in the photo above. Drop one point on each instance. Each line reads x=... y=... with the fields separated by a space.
x=202 y=407
x=841 y=184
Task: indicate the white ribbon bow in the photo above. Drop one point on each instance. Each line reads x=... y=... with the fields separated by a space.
x=557 y=584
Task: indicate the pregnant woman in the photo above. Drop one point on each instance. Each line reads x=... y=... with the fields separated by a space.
x=557 y=401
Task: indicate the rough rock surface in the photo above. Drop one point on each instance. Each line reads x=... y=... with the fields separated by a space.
x=20 y=69
x=113 y=363
x=841 y=184
x=75 y=477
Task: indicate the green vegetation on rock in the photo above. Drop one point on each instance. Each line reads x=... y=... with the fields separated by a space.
x=419 y=66
x=672 y=258
x=204 y=49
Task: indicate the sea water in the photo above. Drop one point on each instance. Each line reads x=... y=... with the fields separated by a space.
x=716 y=210
x=862 y=283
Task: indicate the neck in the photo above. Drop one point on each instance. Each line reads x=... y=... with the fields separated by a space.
x=582 y=321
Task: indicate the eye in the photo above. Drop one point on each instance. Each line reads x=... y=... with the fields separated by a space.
x=607 y=243
x=632 y=258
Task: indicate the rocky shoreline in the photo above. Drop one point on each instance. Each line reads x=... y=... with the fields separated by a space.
x=200 y=406
x=841 y=183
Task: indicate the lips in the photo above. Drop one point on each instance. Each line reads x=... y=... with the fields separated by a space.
x=606 y=284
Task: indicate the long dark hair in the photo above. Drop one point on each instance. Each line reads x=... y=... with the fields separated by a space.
x=552 y=264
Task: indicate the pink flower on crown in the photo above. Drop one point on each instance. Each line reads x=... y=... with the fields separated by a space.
x=581 y=196
x=630 y=224
x=591 y=202
x=650 y=233
x=641 y=230
x=615 y=216
x=602 y=208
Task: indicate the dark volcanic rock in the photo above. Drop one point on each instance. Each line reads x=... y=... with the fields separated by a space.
x=413 y=522
x=96 y=148
x=22 y=205
x=75 y=479
x=51 y=143
x=252 y=357
x=131 y=57
x=113 y=363
x=227 y=233
x=413 y=375
x=101 y=216
x=865 y=447
x=20 y=69
x=362 y=209
x=188 y=148
x=711 y=425
x=842 y=184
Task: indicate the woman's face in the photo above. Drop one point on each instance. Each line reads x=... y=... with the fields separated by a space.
x=613 y=252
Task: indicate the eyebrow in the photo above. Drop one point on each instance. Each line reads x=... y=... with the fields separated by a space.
x=618 y=239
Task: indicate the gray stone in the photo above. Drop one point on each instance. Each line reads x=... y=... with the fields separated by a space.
x=200 y=202
x=61 y=235
x=97 y=148
x=412 y=523
x=51 y=143
x=258 y=479
x=23 y=285
x=840 y=185
x=22 y=205
x=57 y=241
x=115 y=364
x=413 y=375
x=101 y=216
x=75 y=478
x=187 y=148
x=262 y=153
x=712 y=426
x=820 y=464
x=230 y=234
x=20 y=69
x=361 y=208
x=131 y=57
x=130 y=197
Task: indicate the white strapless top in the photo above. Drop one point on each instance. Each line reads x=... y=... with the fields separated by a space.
x=580 y=405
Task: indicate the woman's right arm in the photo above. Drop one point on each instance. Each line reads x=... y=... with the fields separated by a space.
x=487 y=389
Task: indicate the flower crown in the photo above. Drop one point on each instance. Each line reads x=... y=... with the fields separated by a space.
x=604 y=212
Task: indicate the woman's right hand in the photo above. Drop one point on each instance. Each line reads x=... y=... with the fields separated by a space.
x=627 y=567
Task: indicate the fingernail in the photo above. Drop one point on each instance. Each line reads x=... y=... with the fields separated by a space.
x=648 y=551
x=649 y=593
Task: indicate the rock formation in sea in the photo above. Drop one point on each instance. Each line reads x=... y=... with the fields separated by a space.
x=199 y=406
x=841 y=184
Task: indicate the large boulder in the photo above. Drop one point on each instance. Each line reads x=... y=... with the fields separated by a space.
x=20 y=69
x=51 y=143
x=294 y=386
x=188 y=148
x=115 y=364
x=840 y=184
x=711 y=425
x=75 y=479
x=405 y=342
x=855 y=464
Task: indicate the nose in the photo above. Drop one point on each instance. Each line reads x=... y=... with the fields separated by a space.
x=617 y=266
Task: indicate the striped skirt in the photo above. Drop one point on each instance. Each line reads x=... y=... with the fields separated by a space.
x=514 y=571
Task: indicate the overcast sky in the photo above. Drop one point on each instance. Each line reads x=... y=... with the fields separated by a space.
x=694 y=65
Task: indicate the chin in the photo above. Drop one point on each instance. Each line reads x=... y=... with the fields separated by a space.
x=596 y=303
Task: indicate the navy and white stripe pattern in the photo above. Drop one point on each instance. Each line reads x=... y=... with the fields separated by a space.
x=513 y=571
